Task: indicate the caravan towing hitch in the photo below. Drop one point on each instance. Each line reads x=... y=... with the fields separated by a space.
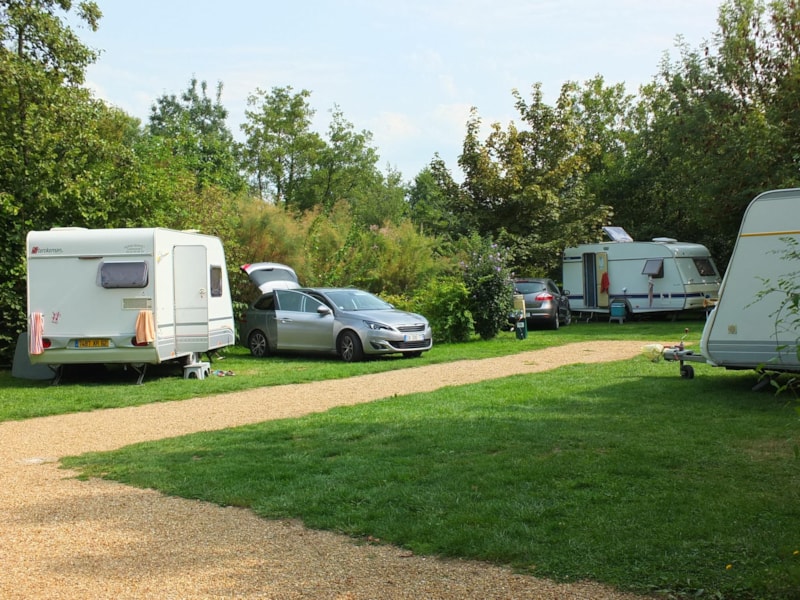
x=679 y=353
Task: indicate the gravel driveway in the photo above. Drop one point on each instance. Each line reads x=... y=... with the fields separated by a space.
x=64 y=538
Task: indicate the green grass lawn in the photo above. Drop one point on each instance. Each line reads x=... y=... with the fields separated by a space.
x=622 y=473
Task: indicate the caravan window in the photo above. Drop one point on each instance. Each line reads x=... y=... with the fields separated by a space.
x=112 y=275
x=704 y=267
x=654 y=267
x=216 y=282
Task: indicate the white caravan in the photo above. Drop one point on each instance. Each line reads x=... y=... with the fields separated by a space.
x=131 y=296
x=662 y=276
x=750 y=329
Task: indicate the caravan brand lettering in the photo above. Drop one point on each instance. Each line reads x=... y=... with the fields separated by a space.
x=38 y=250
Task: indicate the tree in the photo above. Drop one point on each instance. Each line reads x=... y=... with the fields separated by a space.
x=604 y=113
x=438 y=205
x=342 y=168
x=715 y=128
x=46 y=119
x=526 y=186
x=194 y=128
x=280 y=150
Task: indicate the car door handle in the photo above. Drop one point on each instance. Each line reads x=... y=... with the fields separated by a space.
x=286 y=320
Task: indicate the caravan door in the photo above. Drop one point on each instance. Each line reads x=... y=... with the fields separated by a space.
x=190 y=275
x=595 y=273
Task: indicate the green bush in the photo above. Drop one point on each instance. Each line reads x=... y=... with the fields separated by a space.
x=488 y=281
x=444 y=303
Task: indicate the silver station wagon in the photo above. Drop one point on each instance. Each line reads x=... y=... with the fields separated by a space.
x=347 y=322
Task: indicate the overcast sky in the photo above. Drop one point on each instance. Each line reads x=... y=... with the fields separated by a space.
x=408 y=70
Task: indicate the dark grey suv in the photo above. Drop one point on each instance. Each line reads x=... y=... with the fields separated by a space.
x=545 y=303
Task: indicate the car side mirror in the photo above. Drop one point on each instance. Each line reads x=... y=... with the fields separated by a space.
x=323 y=310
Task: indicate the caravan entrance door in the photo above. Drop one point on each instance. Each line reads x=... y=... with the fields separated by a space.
x=191 y=299
x=595 y=273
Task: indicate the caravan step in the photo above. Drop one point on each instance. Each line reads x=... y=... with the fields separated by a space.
x=198 y=370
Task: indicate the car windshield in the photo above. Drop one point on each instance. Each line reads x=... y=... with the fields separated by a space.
x=357 y=300
x=529 y=287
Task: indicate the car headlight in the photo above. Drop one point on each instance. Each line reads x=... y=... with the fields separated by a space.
x=375 y=326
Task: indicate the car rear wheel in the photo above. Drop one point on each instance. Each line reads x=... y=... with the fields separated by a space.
x=554 y=322
x=350 y=348
x=258 y=344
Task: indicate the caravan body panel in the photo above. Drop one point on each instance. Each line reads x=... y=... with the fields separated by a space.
x=744 y=331
x=662 y=276
x=93 y=287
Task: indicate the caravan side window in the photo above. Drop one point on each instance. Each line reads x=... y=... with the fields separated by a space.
x=112 y=275
x=216 y=282
x=704 y=267
x=654 y=267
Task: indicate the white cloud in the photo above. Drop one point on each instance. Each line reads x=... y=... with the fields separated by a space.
x=391 y=127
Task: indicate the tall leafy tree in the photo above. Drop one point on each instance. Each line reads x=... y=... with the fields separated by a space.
x=438 y=205
x=526 y=184
x=604 y=113
x=381 y=199
x=194 y=127
x=716 y=127
x=280 y=150
x=45 y=118
x=343 y=167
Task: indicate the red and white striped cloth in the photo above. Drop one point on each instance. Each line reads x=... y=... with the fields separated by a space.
x=35 y=332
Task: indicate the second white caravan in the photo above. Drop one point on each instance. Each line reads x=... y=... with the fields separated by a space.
x=660 y=276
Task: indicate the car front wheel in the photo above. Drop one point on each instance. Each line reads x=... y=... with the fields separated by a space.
x=350 y=348
x=258 y=344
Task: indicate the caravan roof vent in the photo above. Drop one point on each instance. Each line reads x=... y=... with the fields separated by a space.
x=617 y=234
x=665 y=240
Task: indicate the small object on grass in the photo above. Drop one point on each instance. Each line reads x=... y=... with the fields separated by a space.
x=653 y=352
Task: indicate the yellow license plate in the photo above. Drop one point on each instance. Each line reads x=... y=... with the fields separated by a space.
x=93 y=343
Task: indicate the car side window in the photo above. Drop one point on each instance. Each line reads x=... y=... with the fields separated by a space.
x=266 y=302
x=322 y=301
x=310 y=305
x=288 y=300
